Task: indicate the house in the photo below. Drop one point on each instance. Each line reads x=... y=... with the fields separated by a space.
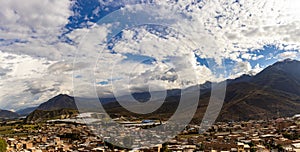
x=240 y=147
x=296 y=147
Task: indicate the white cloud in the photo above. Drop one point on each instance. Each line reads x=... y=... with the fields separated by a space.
x=246 y=24
x=245 y=67
x=38 y=65
x=29 y=33
x=37 y=23
x=242 y=67
x=29 y=81
x=291 y=55
x=257 y=68
x=33 y=18
x=175 y=64
x=257 y=57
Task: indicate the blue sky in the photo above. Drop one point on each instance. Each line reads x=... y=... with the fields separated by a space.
x=93 y=11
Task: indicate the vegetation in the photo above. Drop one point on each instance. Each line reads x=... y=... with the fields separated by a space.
x=11 y=129
x=72 y=136
x=42 y=115
x=3 y=145
x=279 y=147
x=252 y=147
x=4 y=130
x=165 y=148
x=201 y=147
x=290 y=136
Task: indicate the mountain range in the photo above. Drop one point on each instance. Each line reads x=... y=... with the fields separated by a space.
x=6 y=114
x=25 y=111
x=272 y=93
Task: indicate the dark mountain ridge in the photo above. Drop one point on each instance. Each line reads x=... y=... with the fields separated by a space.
x=6 y=114
x=274 y=92
x=25 y=111
x=61 y=101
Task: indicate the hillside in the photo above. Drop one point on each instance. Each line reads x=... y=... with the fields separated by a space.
x=26 y=111
x=5 y=114
x=274 y=92
x=61 y=101
x=43 y=115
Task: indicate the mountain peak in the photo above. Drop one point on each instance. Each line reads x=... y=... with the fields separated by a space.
x=283 y=75
x=62 y=95
x=6 y=114
x=287 y=65
x=287 y=61
x=60 y=101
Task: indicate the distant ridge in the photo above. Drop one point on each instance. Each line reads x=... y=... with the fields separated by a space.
x=272 y=93
x=6 y=114
x=26 y=111
x=61 y=106
x=61 y=101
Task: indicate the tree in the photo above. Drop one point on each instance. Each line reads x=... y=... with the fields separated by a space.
x=279 y=147
x=165 y=148
x=201 y=147
x=3 y=145
x=252 y=147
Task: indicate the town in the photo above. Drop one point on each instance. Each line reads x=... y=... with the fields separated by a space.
x=281 y=134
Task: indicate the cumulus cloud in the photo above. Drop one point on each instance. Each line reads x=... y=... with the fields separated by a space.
x=36 y=24
x=39 y=65
x=290 y=55
x=243 y=25
x=245 y=67
x=27 y=81
x=242 y=67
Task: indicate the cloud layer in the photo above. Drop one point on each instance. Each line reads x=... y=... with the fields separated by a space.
x=38 y=43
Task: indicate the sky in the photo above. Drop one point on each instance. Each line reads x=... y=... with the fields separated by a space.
x=51 y=47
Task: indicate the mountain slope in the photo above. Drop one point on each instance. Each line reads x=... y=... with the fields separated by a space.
x=5 y=114
x=246 y=101
x=284 y=76
x=272 y=93
x=42 y=115
x=26 y=111
x=61 y=101
x=61 y=106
